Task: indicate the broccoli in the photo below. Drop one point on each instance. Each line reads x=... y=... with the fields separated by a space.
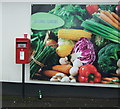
x=100 y=41
x=107 y=58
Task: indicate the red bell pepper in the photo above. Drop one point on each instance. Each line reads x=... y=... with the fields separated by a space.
x=89 y=73
x=92 y=8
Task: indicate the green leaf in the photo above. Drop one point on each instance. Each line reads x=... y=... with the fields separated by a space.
x=45 y=21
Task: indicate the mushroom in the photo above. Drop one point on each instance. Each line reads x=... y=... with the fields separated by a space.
x=57 y=77
x=60 y=75
x=54 y=80
x=77 y=63
x=64 y=60
x=118 y=63
x=65 y=79
x=73 y=57
x=118 y=71
x=72 y=79
x=74 y=71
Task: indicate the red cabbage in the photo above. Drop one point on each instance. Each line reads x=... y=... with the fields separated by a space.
x=85 y=51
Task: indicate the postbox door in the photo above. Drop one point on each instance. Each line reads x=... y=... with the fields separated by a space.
x=22 y=53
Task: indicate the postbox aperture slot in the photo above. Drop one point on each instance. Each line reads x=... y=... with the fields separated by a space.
x=22 y=45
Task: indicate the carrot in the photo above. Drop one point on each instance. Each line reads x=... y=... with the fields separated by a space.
x=73 y=34
x=107 y=79
x=62 y=68
x=50 y=73
x=116 y=83
x=115 y=16
x=107 y=19
x=102 y=11
x=105 y=82
x=108 y=14
x=116 y=78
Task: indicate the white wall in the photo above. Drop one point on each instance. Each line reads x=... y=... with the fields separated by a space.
x=64 y=1
x=15 y=22
x=1 y=41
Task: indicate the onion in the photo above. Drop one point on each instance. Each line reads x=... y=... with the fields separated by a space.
x=118 y=9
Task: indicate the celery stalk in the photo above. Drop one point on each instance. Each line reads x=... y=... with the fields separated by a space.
x=99 y=31
x=106 y=28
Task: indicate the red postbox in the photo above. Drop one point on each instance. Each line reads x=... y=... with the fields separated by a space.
x=23 y=50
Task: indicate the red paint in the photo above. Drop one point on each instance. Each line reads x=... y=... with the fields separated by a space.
x=23 y=47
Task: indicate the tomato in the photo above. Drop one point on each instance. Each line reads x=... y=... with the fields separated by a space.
x=92 y=9
x=51 y=42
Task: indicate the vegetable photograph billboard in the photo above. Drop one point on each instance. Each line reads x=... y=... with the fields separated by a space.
x=74 y=43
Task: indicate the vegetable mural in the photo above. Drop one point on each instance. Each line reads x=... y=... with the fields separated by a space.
x=75 y=43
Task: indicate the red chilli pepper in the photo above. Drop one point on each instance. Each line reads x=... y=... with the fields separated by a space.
x=92 y=9
x=89 y=73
